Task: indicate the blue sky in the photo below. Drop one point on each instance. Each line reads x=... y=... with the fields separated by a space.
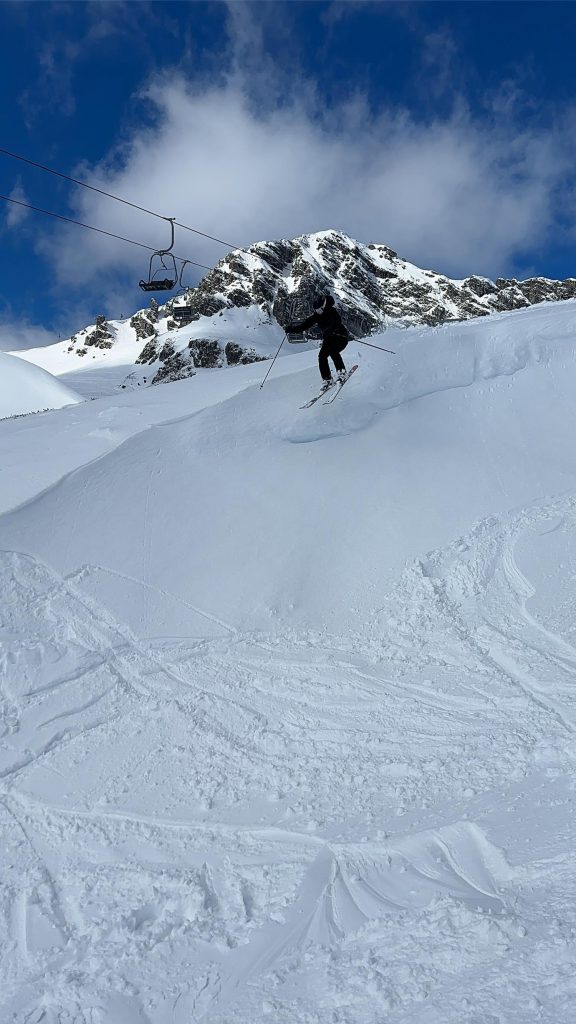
x=446 y=130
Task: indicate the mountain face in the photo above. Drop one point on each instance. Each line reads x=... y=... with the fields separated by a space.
x=372 y=283
x=275 y=282
x=374 y=287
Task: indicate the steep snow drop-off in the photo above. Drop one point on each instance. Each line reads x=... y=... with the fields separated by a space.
x=288 y=697
x=25 y=388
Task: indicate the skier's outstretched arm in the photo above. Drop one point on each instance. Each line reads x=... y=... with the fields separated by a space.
x=304 y=325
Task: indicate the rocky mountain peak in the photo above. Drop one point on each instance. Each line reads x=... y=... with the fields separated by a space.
x=373 y=287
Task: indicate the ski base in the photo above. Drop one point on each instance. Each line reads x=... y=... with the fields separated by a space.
x=341 y=385
x=317 y=397
x=335 y=384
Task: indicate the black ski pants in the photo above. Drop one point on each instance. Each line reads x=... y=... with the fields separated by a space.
x=331 y=348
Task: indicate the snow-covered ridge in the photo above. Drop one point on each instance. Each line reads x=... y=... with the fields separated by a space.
x=239 y=309
x=25 y=388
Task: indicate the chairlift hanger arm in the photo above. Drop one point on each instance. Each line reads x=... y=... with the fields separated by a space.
x=166 y=284
x=162 y=252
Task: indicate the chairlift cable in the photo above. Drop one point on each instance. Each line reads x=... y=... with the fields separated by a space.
x=101 y=231
x=229 y=245
x=110 y=195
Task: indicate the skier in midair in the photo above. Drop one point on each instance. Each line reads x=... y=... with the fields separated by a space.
x=335 y=337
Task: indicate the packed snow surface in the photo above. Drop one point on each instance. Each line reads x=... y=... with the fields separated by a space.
x=288 y=696
x=26 y=388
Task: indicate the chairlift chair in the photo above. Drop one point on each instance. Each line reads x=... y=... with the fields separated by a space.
x=166 y=284
x=182 y=314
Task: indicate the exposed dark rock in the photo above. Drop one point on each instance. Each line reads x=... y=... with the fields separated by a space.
x=384 y=250
x=143 y=323
x=539 y=289
x=167 y=351
x=206 y=353
x=360 y=324
x=237 y=266
x=362 y=282
x=509 y=298
x=567 y=288
x=100 y=336
x=149 y=353
x=278 y=255
x=176 y=367
x=235 y=355
x=263 y=289
x=435 y=316
x=240 y=298
x=451 y=291
x=480 y=286
x=334 y=251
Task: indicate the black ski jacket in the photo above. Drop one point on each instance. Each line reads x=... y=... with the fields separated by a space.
x=329 y=321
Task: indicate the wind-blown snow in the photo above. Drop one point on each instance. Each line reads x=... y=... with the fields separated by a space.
x=26 y=388
x=288 y=700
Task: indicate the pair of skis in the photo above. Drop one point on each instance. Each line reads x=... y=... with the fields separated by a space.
x=335 y=389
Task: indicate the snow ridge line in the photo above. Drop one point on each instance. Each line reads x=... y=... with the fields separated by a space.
x=71 y=474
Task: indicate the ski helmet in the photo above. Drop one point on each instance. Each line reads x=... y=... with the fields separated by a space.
x=319 y=303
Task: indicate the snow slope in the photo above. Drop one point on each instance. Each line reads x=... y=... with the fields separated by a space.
x=288 y=699
x=25 y=388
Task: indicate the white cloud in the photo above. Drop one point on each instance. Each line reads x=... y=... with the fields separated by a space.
x=15 y=215
x=457 y=195
x=20 y=334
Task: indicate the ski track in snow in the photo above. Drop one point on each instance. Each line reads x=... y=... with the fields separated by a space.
x=292 y=824
x=116 y=878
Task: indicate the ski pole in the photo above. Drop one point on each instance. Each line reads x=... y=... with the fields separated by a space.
x=379 y=347
x=273 y=361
